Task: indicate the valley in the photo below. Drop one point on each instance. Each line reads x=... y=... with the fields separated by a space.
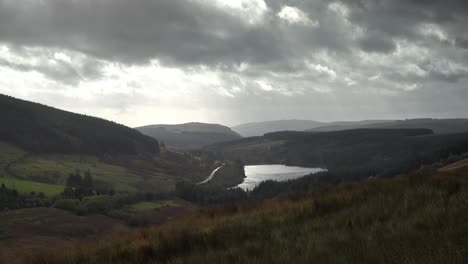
x=68 y=180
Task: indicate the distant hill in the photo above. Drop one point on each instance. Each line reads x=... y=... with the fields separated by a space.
x=189 y=135
x=439 y=126
x=261 y=128
x=43 y=129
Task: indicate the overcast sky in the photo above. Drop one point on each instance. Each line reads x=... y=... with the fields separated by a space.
x=141 y=62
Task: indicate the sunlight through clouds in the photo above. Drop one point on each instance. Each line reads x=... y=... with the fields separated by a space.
x=294 y=15
x=253 y=10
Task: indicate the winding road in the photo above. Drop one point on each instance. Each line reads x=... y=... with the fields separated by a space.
x=211 y=175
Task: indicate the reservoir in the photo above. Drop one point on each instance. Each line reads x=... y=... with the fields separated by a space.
x=258 y=173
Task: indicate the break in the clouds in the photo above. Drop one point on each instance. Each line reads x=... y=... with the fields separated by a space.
x=164 y=61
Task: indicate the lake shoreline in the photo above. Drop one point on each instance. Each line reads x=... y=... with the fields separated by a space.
x=255 y=174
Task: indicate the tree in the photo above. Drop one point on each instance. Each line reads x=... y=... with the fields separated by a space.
x=74 y=180
x=78 y=187
x=87 y=183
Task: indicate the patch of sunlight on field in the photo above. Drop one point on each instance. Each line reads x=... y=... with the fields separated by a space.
x=57 y=168
x=24 y=186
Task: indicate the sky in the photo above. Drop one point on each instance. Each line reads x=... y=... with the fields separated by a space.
x=140 y=62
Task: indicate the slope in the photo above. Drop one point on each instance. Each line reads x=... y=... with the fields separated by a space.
x=42 y=129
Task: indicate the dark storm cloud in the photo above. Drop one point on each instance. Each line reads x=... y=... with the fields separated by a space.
x=195 y=32
x=438 y=27
x=135 y=31
x=377 y=43
x=402 y=18
x=184 y=32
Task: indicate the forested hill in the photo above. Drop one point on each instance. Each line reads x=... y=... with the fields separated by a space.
x=352 y=154
x=43 y=129
x=439 y=126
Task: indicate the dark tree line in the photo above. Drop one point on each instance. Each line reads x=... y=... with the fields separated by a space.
x=210 y=194
x=11 y=199
x=78 y=187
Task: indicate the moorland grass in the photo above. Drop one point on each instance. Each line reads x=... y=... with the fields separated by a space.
x=418 y=218
x=150 y=205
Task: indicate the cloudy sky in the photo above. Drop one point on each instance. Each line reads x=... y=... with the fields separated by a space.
x=232 y=61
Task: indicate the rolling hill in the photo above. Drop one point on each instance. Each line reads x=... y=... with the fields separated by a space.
x=189 y=135
x=260 y=128
x=439 y=126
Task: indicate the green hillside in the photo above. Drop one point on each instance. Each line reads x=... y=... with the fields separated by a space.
x=130 y=173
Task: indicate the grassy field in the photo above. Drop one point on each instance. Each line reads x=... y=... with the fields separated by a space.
x=54 y=169
x=128 y=173
x=418 y=218
x=57 y=168
x=24 y=186
x=146 y=206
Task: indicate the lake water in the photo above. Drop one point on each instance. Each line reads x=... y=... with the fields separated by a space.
x=258 y=173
